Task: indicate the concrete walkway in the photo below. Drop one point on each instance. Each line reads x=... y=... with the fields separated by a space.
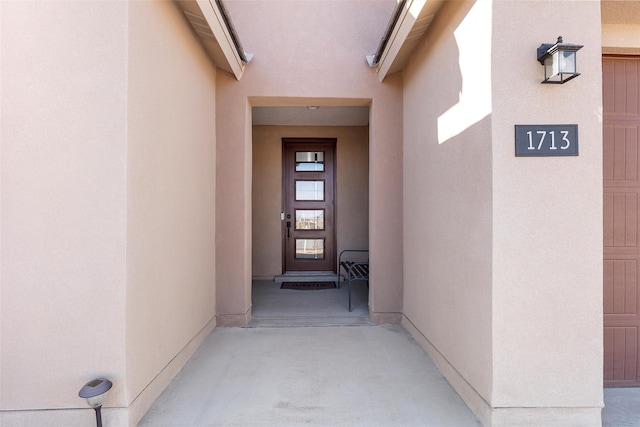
x=621 y=407
x=323 y=376
x=306 y=360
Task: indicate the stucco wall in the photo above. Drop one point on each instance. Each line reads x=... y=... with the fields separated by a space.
x=108 y=176
x=170 y=297
x=621 y=27
x=509 y=301
x=352 y=202
x=448 y=191
x=548 y=235
x=63 y=189
x=621 y=39
x=324 y=64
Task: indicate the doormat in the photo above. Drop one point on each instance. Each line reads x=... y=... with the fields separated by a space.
x=308 y=286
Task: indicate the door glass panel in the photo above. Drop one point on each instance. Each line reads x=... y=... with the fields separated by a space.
x=307 y=219
x=309 y=161
x=310 y=248
x=309 y=190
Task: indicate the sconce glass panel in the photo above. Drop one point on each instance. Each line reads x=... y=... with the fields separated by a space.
x=568 y=62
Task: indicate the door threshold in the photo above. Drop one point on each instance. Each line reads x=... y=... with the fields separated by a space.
x=307 y=276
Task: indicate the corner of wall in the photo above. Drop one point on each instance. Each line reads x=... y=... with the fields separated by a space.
x=379 y=318
x=141 y=404
x=234 y=320
x=476 y=403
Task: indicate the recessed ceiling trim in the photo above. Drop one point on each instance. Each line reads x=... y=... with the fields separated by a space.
x=305 y=116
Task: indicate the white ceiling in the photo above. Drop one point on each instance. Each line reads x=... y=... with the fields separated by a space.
x=305 y=116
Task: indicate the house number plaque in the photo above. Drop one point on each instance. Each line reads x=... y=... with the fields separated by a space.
x=546 y=140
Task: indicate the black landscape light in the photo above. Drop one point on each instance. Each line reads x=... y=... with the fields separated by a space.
x=95 y=391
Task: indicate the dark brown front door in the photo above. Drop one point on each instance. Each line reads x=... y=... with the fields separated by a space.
x=309 y=208
x=621 y=168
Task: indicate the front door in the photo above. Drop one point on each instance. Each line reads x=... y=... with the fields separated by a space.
x=621 y=167
x=309 y=208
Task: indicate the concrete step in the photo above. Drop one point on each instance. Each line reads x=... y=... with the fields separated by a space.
x=308 y=276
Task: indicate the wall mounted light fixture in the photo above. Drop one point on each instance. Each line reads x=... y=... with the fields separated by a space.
x=95 y=391
x=558 y=61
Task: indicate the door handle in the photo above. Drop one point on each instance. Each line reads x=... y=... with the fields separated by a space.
x=288 y=229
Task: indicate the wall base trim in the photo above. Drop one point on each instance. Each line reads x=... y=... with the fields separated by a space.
x=502 y=417
x=478 y=405
x=548 y=417
x=82 y=416
x=378 y=318
x=234 y=320
x=141 y=404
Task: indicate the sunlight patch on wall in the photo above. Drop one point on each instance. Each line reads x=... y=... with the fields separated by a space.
x=473 y=37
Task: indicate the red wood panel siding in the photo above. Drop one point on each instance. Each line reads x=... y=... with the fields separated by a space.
x=621 y=173
x=620 y=297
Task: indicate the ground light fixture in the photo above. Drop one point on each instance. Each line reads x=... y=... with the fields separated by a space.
x=558 y=61
x=95 y=391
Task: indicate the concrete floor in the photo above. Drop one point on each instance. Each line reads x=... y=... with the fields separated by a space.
x=322 y=376
x=306 y=360
x=274 y=307
x=622 y=407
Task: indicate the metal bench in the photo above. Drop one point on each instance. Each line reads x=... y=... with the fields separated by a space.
x=354 y=267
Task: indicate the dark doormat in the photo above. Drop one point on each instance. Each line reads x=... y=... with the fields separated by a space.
x=308 y=286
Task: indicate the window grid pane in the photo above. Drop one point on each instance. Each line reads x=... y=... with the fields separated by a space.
x=308 y=219
x=309 y=161
x=310 y=249
x=310 y=190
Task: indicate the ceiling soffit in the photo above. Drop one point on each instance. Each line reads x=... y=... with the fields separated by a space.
x=215 y=32
x=411 y=22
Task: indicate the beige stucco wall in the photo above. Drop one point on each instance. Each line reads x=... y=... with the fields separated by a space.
x=621 y=39
x=170 y=293
x=352 y=174
x=324 y=64
x=509 y=300
x=108 y=175
x=108 y=172
x=63 y=189
x=621 y=28
x=548 y=276
x=448 y=210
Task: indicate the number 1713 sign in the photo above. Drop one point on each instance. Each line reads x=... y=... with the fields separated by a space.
x=546 y=140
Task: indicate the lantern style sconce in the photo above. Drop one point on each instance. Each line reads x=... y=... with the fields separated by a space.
x=95 y=391
x=559 y=61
